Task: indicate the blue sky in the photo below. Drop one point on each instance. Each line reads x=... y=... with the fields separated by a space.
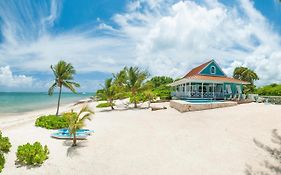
x=166 y=37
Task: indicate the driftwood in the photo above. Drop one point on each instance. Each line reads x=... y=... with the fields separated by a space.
x=158 y=108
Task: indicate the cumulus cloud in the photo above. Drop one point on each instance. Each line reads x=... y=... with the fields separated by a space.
x=167 y=37
x=174 y=39
x=7 y=79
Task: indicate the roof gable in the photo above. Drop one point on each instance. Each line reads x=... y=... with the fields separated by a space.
x=212 y=69
x=205 y=69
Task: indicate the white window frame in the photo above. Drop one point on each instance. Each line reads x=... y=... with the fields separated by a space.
x=213 y=68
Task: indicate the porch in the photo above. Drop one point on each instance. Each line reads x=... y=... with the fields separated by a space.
x=200 y=90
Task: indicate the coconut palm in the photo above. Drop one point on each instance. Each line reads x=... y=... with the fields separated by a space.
x=108 y=92
x=76 y=121
x=149 y=96
x=245 y=74
x=135 y=82
x=63 y=73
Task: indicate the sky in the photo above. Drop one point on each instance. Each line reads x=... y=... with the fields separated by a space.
x=165 y=37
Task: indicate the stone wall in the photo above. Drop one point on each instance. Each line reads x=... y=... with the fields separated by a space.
x=183 y=106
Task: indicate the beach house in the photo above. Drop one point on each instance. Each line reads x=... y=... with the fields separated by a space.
x=207 y=81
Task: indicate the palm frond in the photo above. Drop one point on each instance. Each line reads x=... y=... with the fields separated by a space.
x=51 y=89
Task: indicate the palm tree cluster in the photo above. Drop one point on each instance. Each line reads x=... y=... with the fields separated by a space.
x=129 y=82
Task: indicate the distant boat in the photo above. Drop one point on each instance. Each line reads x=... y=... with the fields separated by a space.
x=83 y=93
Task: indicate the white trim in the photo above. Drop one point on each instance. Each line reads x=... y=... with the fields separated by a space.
x=215 y=70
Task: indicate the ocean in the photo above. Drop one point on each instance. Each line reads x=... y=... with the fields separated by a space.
x=17 y=102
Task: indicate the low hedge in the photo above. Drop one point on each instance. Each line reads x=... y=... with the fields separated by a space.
x=104 y=105
x=32 y=154
x=51 y=122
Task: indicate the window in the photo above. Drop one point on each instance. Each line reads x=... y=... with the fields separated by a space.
x=213 y=70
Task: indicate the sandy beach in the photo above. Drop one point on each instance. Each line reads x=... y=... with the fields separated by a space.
x=144 y=142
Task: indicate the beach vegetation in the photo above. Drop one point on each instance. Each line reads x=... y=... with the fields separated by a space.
x=246 y=74
x=32 y=154
x=108 y=92
x=135 y=83
x=5 y=146
x=76 y=121
x=270 y=90
x=51 y=122
x=105 y=105
x=63 y=73
x=160 y=88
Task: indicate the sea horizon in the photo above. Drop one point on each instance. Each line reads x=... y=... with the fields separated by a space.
x=19 y=102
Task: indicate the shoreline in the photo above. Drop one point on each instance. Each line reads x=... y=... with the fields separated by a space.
x=8 y=120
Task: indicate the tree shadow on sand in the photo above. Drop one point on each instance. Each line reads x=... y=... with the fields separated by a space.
x=272 y=166
x=73 y=151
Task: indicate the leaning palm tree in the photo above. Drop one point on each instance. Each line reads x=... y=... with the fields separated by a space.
x=76 y=121
x=135 y=82
x=108 y=92
x=63 y=73
x=246 y=74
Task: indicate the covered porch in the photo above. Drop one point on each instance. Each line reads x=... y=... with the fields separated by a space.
x=185 y=88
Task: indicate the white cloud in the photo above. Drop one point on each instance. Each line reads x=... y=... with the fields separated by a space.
x=166 y=37
x=7 y=79
x=174 y=39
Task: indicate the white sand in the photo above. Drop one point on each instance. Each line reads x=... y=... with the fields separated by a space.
x=142 y=142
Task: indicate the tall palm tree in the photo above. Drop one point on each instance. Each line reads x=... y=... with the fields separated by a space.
x=63 y=73
x=76 y=121
x=135 y=82
x=108 y=92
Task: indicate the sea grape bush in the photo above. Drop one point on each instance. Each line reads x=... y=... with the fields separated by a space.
x=51 y=122
x=5 y=146
x=32 y=154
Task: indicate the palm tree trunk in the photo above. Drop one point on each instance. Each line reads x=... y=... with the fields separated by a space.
x=135 y=104
x=74 y=139
x=58 y=106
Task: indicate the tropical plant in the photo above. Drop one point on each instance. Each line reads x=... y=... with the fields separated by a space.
x=51 y=122
x=135 y=82
x=105 y=105
x=63 y=73
x=108 y=92
x=149 y=96
x=76 y=121
x=5 y=146
x=32 y=154
x=159 y=81
x=246 y=74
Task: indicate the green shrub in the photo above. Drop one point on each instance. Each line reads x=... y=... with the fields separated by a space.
x=104 y=105
x=51 y=122
x=2 y=161
x=5 y=146
x=29 y=154
x=164 y=92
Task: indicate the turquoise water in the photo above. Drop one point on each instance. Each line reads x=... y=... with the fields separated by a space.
x=16 y=102
x=198 y=101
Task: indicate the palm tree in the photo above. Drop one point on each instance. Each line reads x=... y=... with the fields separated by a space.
x=63 y=73
x=135 y=82
x=76 y=121
x=149 y=96
x=108 y=92
x=246 y=74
